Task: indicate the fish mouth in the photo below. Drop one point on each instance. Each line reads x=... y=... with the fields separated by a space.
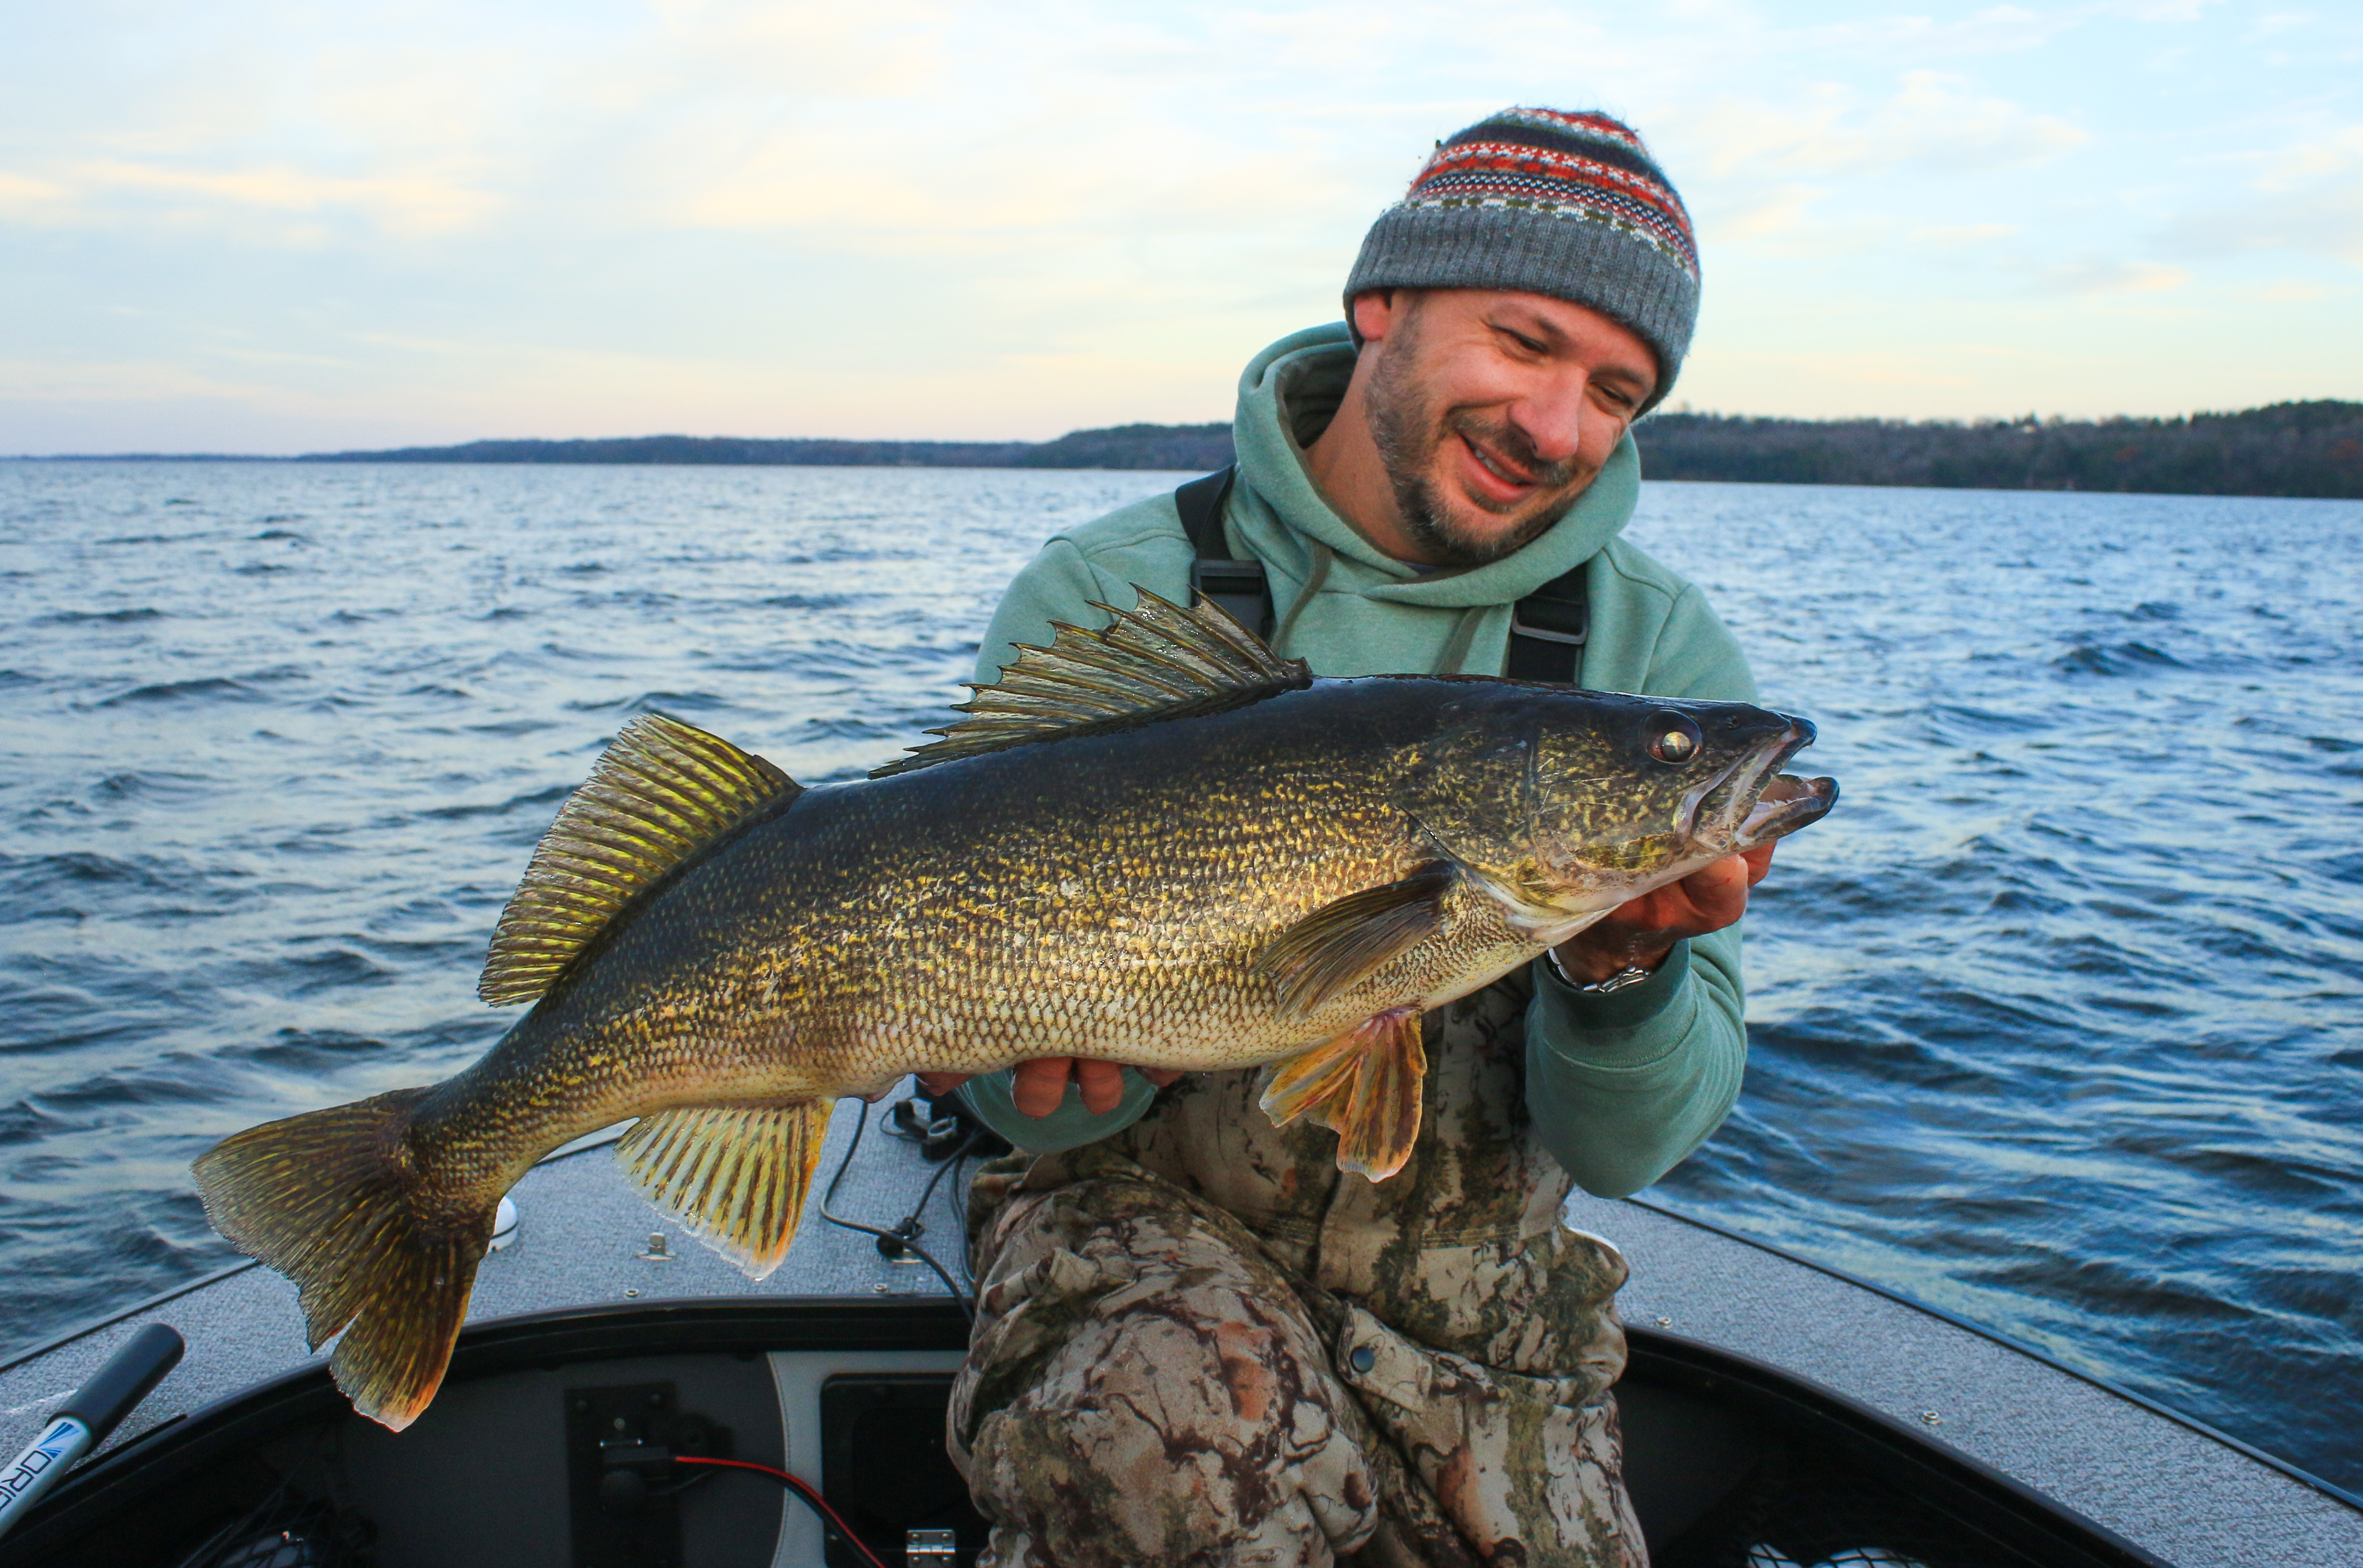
x=1752 y=802
x=1787 y=804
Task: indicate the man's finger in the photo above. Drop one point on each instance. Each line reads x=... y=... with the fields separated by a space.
x=1102 y=1085
x=1039 y=1085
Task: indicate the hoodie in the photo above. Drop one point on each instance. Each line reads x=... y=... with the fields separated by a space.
x=1622 y=1088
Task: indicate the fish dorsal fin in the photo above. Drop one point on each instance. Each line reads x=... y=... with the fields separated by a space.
x=1154 y=661
x=661 y=792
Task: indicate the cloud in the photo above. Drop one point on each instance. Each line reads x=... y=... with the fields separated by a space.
x=1932 y=121
x=404 y=205
x=2103 y=275
x=2304 y=197
x=1961 y=237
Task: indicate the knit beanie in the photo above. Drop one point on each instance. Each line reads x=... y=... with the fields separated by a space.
x=1545 y=201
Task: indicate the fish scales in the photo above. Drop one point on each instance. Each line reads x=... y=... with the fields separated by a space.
x=1154 y=844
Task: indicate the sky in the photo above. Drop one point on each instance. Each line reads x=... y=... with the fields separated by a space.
x=244 y=226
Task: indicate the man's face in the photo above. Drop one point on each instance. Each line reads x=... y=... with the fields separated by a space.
x=1492 y=411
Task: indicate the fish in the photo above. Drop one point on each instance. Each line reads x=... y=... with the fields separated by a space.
x=1155 y=842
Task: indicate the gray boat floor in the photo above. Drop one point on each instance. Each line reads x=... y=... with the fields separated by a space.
x=582 y=1234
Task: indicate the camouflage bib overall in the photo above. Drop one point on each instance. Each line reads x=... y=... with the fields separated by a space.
x=1199 y=1343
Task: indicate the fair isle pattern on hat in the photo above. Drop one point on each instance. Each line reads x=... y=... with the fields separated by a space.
x=1544 y=201
x=1579 y=166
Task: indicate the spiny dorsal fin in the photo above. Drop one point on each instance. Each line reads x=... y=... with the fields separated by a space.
x=661 y=790
x=1154 y=661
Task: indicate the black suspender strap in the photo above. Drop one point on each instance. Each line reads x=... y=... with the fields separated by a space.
x=1239 y=587
x=1547 y=630
x=1547 y=627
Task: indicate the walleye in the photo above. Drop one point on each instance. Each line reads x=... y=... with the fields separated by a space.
x=1156 y=843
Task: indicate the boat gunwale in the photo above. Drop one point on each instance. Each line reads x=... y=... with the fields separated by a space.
x=2330 y=1489
x=758 y=1324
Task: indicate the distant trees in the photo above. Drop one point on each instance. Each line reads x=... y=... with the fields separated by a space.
x=2288 y=448
x=1121 y=447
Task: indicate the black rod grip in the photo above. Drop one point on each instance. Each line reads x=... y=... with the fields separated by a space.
x=117 y=1388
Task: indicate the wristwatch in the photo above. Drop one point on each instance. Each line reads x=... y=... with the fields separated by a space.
x=1631 y=975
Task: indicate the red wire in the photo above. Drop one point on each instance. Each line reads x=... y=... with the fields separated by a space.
x=803 y=1489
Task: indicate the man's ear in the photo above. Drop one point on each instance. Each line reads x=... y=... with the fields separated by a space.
x=1376 y=311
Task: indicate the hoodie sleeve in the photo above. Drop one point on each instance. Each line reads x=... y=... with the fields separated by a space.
x=1622 y=1088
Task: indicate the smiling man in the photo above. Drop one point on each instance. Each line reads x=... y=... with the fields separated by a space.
x=1197 y=1342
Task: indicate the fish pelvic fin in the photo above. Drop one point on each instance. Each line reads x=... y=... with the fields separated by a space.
x=336 y=1201
x=735 y=1176
x=1153 y=661
x=662 y=793
x=1340 y=944
x=1365 y=1085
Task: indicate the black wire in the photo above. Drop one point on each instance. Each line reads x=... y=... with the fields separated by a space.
x=966 y=1307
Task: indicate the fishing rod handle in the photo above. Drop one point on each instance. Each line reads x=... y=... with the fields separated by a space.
x=89 y=1414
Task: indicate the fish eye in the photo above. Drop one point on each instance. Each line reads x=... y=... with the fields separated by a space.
x=1674 y=740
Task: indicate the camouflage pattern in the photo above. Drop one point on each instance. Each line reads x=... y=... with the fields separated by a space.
x=1199 y=1342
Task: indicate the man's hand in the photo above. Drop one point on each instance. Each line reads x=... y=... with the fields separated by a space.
x=1041 y=1083
x=1638 y=934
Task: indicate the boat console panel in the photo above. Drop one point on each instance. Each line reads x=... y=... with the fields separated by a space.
x=675 y=1435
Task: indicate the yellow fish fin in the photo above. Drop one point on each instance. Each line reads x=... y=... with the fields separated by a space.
x=1364 y=1086
x=662 y=793
x=1340 y=945
x=1153 y=661
x=335 y=1200
x=736 y=1176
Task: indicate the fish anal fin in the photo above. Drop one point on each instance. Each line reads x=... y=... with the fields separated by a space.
x=1365 y=1085
x=1153 y=661
x=736 y=1176
x=1340 y=945
x=661 y=791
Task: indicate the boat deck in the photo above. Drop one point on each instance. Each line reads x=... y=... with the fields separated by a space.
x=2172 y=1488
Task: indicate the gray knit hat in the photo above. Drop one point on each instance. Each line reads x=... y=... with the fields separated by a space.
x=1550 y=202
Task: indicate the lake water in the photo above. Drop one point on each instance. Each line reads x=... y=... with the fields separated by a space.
x=2057 y=1023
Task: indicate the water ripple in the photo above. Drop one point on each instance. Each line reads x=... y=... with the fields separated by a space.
x=2055 y=1024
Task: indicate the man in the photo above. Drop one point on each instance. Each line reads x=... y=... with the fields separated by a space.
x=1197 y=1342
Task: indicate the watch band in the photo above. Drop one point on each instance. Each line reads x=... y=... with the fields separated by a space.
x=1631 y=975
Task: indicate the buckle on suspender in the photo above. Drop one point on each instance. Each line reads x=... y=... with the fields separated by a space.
x=1521 y=627
x=1238 y=588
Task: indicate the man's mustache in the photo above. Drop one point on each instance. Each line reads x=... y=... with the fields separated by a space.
x=1503 y=440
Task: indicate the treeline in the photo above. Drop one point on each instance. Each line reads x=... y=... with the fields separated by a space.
x=2288 y=448
x=1118 y=447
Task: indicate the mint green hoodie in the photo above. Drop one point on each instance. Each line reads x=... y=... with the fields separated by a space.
x=1623 y=1087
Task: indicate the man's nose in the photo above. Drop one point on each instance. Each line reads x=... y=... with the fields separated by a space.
x=1552 y=417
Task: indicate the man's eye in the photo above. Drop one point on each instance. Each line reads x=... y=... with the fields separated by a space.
x=1530 y=345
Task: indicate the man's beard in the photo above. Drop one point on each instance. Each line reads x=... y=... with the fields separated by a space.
x=1409 y=434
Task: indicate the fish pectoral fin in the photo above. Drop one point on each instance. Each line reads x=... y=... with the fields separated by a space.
x=1364 y=1086
x=660 y=793
x=735 y=1176
x=1338 y=945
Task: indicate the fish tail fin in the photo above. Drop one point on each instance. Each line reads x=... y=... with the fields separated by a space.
x=1365 y=1085
x=735 y=1175
x=336 y=1201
